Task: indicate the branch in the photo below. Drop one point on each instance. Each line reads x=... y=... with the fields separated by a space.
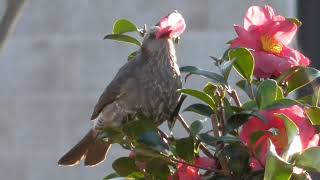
x=9 y=19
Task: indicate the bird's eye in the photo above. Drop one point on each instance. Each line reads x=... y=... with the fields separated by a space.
x=152 y=36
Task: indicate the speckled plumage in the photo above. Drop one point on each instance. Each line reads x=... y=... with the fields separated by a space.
x=148 y=84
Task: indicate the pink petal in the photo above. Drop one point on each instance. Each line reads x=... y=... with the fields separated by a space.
x=245 y=39
x=205 y=162
x=266 y=64
x=257 y=16
x=295 y=57
x=283 y=31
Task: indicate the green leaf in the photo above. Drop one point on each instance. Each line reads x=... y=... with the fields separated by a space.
x=238 y=158
x=132 y=55
x=254 y=137
x=267 y=93
x=212 y=141
x=210 y=89
x=123 y=26
x=226 y=68
x=158 y=169
x=285 y=75
x=140 y=125
x=244 y=62
x=185 y=149
x=124 y=166
x=207 y=74
x=136 y=176
x=276 y=168
x=200 y=109
x=313 y=114
x=291 y=128
x=200 y=95
x=236 y=120
x=196 y=127
x=295 y=21
x=123 y=38
x=301 y=78
x=282 y=103
x=309 y=159
x=279 y=93
x=154 y=141
x=111 y=176
x=112 y=135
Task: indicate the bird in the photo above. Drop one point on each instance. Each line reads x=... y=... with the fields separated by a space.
x=149 y=84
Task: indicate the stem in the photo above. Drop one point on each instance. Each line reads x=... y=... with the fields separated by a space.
x=233 y=94
x=202 y=147
x=214 y=122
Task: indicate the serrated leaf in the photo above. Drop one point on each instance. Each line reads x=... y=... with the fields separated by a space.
x=200 y=95
x=244 y=62
x=201 y=109
x=123 y=26
x=124 y=166
x=267 y=93
x=301 y=78
x=123 y=38
x=196 y=127
x=207 y=74
x=309 y=159
x=276 y=168
x=185 y=149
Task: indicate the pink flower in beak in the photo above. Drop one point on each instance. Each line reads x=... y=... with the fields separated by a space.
x=267 y=35
x=171 y=26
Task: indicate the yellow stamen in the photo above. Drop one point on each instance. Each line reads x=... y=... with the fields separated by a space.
x=270 y=44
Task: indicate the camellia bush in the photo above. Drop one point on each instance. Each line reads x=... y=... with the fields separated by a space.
x=270 y=136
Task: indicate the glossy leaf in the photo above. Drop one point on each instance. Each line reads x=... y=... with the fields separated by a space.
x=185 y=149
x=282 y=103
x=207 y=74
x=124 y=166
x=276 y=168
x=238 y=158
x=309 y=159
x=111 y=176
x=136 y=176
x=154 y=141
x=244 y=62
x=226 y=68
x=200 y=109
x=301 y=78
x=196 y=127
x=267 y=93
x=211 y=140
x=200 y=95
x=236 y=120
x=140 y=125
x=210 y=89
x=132 y=55
x=313 y=114
x=291 y=128
x=123 y=38
x=158 y=168
x=285 y=75
x=123 y=26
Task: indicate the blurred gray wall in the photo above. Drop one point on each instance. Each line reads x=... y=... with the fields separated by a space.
x=54 y=67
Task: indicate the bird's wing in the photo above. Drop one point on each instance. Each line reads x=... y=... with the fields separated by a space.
x=114 y=89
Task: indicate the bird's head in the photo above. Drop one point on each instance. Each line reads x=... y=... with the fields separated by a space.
x=167 y=29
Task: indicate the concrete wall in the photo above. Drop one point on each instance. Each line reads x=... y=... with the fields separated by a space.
x=55 y=66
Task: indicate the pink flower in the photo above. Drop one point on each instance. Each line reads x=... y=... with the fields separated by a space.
x=307 y=133
x=171 y=26
x=267 y=35
x=186 y=172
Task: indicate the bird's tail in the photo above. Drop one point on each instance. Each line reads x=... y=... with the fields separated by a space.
x=90 y=149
